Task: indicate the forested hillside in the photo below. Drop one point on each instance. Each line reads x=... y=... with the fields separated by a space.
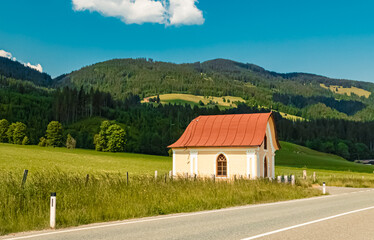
x=300 y=94
x=113 y=91
x=16 y=70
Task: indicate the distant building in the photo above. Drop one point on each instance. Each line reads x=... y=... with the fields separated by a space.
x=366 y=162
x=226 y=145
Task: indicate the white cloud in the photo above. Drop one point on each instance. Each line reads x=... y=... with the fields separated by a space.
x=185 y=12
x=8 y=55
x=168 y=12
x=37 y=67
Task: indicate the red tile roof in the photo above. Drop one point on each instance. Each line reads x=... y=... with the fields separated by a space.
x=234 y=130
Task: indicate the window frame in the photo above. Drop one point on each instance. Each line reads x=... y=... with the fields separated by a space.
x=224 y=167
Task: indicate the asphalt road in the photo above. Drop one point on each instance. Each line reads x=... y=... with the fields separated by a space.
x=346 y=214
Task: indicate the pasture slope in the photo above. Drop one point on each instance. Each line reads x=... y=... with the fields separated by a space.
x=15 y=158
x=224 y=102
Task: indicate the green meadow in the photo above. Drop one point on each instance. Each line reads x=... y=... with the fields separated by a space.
x=106 y=194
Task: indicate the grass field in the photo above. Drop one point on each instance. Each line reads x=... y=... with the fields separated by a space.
x=107 y=198
x=15 y=158
x=342 y=90
x=292 y=155
x=106 y=195
x=180 y=98
x=332 y=169
x=291 y=117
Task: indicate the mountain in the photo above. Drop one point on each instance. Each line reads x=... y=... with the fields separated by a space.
x=332 y=115
x=299 y=94
x=16 y=70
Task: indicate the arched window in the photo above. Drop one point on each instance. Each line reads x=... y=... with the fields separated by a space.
x=265 y=167
x=221 y=166
x=265 y=143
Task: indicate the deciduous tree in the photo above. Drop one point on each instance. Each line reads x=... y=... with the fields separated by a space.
x=54 y=134
x=4 y=125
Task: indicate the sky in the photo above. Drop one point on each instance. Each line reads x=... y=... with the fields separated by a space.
x=330 y=38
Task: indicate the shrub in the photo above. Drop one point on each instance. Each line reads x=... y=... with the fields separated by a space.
x=25 y=141
x=70 y=142
x=42 y=142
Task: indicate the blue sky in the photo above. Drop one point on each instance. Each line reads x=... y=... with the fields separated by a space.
x=332 y=38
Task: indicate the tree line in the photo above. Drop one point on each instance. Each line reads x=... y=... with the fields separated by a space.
x=150 y=128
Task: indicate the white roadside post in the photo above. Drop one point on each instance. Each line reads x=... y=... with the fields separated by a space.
x=156 y=175
x=279 y=178
x=52 y=219
x=324 y=188
x=304 y=174
x=285 y=179
x=292 y=180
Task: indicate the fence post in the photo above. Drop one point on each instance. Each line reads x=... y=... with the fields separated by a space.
x=285 y=179
x=304 y=174
x=324 y=188
x=314 y=176
x=52 y=217
x=292 y=180
x=279 y=178
x=87 y=179
x=156 y=175
x=25 y=172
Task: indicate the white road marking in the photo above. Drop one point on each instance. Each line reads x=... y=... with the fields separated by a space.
x=307 y=223
x=157 y=218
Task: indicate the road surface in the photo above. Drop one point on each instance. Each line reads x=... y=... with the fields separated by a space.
x=345 y=214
